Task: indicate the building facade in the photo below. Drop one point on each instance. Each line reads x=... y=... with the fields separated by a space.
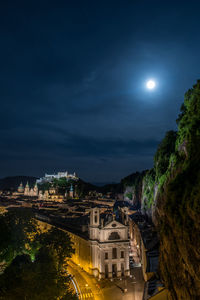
x=103 y=251
x=31 y=192
x=109 y=247
x=47 y=195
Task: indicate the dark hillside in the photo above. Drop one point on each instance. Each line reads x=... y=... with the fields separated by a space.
x=12 y=182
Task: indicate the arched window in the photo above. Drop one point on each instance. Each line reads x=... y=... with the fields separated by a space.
x=114 y=236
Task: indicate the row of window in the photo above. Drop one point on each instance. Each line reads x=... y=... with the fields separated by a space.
x=114 y=254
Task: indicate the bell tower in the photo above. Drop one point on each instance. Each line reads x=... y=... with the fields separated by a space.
x=94 y=217
x=71 y=192
x=26 y=190
x=35 y=189
x=94 y=223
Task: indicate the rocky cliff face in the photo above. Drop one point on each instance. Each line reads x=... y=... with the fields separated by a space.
x=177 y=209
x=170 y=195
x=132 y=188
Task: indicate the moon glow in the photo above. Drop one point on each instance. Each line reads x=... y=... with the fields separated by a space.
x=150 y=84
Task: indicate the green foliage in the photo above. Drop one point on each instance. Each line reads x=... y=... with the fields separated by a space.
x=189 y=120
x=37 y=280
x=179 y=226
x=134 y=180
x=35 y=260
x=163 y=153
x=129 y=195
x=16 y=227
x=44 y=186
x=159 y=174
x=59 y=242
x=61 y=185
x=148 y=188
x=162 y=180
x=175 y=153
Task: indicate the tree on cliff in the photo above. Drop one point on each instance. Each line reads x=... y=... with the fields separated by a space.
x=178 y=206
x=163 y=153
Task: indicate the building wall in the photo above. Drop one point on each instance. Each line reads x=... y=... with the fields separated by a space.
x=106 y=261
x=82 y=255
x=139 y=250
x=110 y=256
x=96 y=255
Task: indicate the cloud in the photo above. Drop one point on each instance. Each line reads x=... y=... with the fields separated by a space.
x=71 y=86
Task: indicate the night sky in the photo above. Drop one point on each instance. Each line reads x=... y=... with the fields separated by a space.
x=72 y=83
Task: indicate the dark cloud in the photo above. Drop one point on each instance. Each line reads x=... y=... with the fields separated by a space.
x=72 y=83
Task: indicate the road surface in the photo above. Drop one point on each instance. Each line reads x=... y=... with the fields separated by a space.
x=90 y=288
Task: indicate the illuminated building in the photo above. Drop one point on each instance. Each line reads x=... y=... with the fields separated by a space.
x=103 y=249
x=20 y=188
x=50 y=177
x=144 y=245
x=109 y=246
x=31 y=192
x=50 y=196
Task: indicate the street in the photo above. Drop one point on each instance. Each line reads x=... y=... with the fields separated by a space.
x=90 y=288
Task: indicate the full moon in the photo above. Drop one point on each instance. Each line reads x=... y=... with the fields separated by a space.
x=150 y=84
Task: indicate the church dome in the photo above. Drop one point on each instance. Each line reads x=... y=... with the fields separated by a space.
x=21 y=188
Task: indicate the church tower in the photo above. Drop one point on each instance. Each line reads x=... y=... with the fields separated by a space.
x=94 y=217
x=94 y=223
x=26 y=190
x=35 y=190
x=46 y=195
x=71 y=192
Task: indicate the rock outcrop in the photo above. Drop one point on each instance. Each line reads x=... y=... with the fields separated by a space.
x=170 y=196
x=177 y=210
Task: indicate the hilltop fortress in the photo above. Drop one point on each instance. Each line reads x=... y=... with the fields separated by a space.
x=49 y=194
x=49 y=178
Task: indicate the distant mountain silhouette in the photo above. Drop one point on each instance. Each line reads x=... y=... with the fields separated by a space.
x=102 y=183
x=12 y=182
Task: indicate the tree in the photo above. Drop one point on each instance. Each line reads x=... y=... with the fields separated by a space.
x=58 y=241
x=38 y=280
x=34 y=259
x=18 y=227
x=163 y=153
